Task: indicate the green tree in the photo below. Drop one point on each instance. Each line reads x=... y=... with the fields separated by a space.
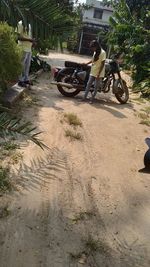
x=131 y=36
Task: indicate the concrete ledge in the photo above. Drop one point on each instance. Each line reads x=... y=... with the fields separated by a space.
x=15 y=92
x=12 y=95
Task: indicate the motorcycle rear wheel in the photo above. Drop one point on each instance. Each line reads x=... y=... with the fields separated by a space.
x=66 y=77
x=122 y=92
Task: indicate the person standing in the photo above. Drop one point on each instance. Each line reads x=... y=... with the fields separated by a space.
x=25 y=41
x=97 y=69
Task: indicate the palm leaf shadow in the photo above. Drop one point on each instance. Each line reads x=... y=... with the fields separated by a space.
x=41 y=171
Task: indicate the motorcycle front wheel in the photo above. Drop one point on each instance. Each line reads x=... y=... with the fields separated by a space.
x=121 y=91
x=66 y=77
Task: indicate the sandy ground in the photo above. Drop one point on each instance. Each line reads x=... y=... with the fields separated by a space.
x=80 y=203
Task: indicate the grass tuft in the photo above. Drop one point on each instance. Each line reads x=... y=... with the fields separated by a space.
x=147 y=110
x=139 y=100
x=10 y=146
x=84 y=215
x=145 y=122
x=16 y=157
x=30 y=100
x=73 y=135
x=4 y=212
x=91 y=244
x=72 y=119
x=145 y=116
x=75 y=256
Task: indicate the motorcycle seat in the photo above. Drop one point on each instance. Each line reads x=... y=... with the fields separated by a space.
x=71 y=64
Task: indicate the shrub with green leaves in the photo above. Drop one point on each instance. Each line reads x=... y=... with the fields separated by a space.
x=131 y=35
x=10 y=56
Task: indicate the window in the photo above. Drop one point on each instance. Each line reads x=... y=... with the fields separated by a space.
x=98 y=13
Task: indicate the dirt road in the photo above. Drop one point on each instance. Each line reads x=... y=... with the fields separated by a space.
x=82 y=202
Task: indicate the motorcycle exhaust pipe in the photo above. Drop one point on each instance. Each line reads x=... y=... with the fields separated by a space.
x=67 y=85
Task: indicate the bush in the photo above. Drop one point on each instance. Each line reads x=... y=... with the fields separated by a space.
x=10 y=59
x=131 y=36
x=143 y=87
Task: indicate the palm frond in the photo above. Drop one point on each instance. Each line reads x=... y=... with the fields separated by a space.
x=47 y=19
x=12 y=127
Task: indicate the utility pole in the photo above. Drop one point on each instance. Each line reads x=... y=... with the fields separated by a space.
x=80 y=44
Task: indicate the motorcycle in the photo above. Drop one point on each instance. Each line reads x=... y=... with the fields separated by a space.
x=37 y=64
x=147 y=155
x=72 y=79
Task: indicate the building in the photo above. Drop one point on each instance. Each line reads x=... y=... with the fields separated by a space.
x=94 y=19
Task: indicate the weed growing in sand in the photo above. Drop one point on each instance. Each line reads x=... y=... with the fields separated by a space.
x=16 y=157
x=145 y=116
x=72 y=119
x=10 y=146
x=145 y=122
x=92 y=245
x=75 y=256
x=4 y=212
x=30 y=100
x=147 y=110
x=83 y=215
x=140 y=100
x=73 y=135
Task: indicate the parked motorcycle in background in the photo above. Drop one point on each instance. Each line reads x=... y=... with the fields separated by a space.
x=72 y=79
x=37 y=64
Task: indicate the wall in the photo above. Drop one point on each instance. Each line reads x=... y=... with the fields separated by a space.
x=88 y=14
